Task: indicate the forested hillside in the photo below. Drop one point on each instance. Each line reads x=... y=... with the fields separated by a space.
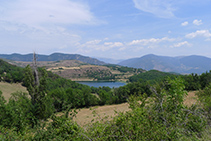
x=157 y=109
x=152 y=76
x=10 y=73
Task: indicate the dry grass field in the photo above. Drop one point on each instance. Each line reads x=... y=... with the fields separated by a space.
x=8 y=88
x=86 y=115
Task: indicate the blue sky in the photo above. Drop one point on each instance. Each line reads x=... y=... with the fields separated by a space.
x=117 y=29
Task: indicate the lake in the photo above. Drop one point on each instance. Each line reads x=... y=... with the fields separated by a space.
x=101 y=84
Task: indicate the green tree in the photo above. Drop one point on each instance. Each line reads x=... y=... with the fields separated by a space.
x=2 y=108
x=205 y=99
x=36 y=84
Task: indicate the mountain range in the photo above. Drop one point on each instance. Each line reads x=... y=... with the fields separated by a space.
x=52 y=57
x=182 y=64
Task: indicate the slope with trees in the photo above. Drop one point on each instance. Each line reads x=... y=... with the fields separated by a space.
x=157 y=109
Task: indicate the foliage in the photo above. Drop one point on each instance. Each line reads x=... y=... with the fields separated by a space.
x=157 y=109
x=196 y=82
x=161 y=117
x=152 y=76
x=124 y=69
x=61 y=128
x=37 y=91
x=10 y=73
x=98 y=75
x=16 y=113
x=205 y=79
x=135 y=88
x=192 y=82
x=205 y=99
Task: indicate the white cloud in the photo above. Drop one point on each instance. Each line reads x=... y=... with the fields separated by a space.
x=184 y=23
x=113 y=44
x=100 y=45
x=185 y=43
x=160 y=8
x=108 y=43
x=199 y=33
x=42 y=24
x=197 y=22
x=46 y=12
x=150 y=41
x=93 y=42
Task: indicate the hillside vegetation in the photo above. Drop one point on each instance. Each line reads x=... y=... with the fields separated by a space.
x=80 y=71
x=152 y=76
x=157 y=110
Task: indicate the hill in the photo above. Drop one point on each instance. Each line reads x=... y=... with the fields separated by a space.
x=184 y=64
x=52 y=57
x=152 y=76
x=80 y=71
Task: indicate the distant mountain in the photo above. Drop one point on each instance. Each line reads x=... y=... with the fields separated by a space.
x=109 y=60
x=184 y=64
x=52 y=57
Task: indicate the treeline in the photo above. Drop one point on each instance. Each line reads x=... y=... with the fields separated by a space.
x=152 y=76
x=197 y=82
x=124 y=69
x=192 y=81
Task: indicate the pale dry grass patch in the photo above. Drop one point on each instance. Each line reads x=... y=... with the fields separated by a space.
x=86 y=115
x=8 y=88
x=191 y=98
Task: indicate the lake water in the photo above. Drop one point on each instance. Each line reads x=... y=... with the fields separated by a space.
x=106 y=84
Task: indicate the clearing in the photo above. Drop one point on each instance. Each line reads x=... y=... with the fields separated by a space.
x=8 y=88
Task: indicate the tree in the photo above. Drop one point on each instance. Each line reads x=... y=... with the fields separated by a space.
x=37 y=88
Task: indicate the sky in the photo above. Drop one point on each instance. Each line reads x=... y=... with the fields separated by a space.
x=117 y=29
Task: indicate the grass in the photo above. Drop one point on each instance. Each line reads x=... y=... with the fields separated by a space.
x=190 y=99
x=8 y=88
x=86 y=115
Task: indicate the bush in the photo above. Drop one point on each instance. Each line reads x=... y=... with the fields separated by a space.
x=160 y=117
x=205 y=99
